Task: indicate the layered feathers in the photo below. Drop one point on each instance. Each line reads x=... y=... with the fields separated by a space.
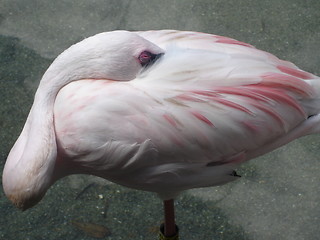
x=187 y=120
x=198 y=112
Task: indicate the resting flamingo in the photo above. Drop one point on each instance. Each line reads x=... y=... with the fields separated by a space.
x=160 y=111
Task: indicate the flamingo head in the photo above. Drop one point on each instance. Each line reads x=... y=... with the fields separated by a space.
x=117 y=55
x=30 y=167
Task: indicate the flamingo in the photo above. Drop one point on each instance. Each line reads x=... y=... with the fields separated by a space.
x=161 y=111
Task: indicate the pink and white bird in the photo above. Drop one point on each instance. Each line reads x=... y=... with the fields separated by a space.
x=160 y=111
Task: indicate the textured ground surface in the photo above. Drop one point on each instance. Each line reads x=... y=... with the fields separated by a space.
x=278 y=196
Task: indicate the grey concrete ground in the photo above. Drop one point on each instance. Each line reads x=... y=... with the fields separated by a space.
x=277 y=197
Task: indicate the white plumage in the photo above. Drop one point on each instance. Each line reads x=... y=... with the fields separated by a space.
x=201 y=107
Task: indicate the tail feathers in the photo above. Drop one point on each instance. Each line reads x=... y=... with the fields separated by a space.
x=309 y=126
x=315 y=84
x=312 y=104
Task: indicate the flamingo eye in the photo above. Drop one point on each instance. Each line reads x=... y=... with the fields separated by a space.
x=146 y=58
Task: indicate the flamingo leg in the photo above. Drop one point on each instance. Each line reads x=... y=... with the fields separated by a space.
x=169 y=218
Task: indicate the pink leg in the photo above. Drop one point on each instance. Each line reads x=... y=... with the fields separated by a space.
x=169 y=219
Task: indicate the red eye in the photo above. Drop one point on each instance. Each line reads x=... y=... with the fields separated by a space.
x=146 y=58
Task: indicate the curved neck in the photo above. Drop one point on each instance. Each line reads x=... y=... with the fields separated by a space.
x=30 y=164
